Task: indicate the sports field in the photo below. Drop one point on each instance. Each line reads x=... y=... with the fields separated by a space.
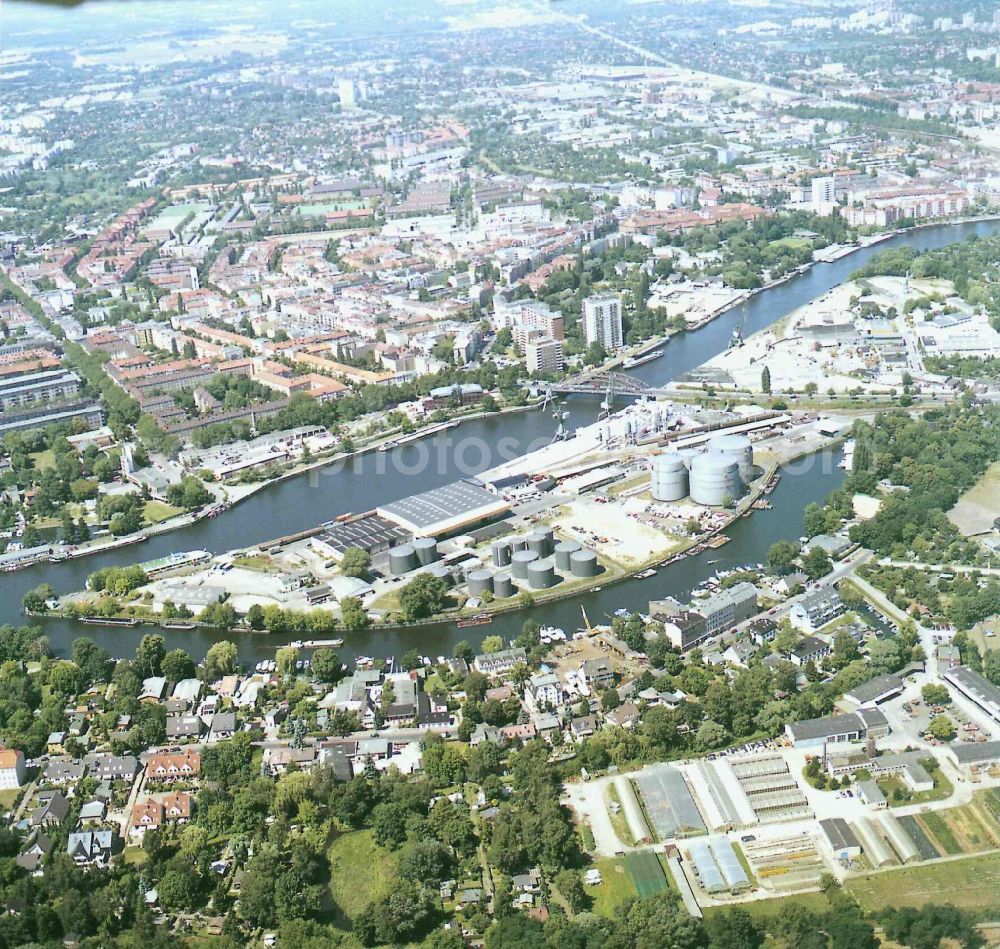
x=646 y=872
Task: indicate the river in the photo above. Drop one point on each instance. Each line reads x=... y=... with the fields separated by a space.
x=363 y=483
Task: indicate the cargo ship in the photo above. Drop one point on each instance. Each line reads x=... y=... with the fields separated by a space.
x=480 y=619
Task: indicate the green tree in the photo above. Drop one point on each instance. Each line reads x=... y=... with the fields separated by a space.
x=355 y=562
x=423 y=596
x=353 y=614
x=220 y=660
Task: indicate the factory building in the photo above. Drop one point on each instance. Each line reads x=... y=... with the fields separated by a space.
x=370 y=533
x=976 y=689
x=445 y=510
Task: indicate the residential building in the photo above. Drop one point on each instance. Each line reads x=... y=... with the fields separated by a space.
x=810 y=649
x=815 y=609
x=91 y=847
x=12 y=768
x=602 y=321
x=178 y=766
x=499 y=663
x=543 y=355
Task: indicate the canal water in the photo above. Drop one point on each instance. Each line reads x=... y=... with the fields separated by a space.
x=362 y=483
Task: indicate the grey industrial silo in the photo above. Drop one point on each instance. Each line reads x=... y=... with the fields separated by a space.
x=501 y=553
x=519 y=543
x=442 y=572
x=738 y=448
x=402 y=559
x=480 y=582
x=541 y=574
x=713 y=479
x=669 y=480
x=538 y=545
x=519 y=563
x=584 y=563
x=503 y=586
x=426 y=549
x=564 y=550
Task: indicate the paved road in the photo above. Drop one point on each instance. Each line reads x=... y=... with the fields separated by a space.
x=940 y=567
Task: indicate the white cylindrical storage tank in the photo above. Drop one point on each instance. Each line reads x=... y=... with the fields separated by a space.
x=501 y=553
x=713 y=479
x=669 y=480
x=541 y=574
x=519 y=563
x=564 y=550
x=402 y=559
x=739 y=448
x=583 y=563
x=503 y=586
x=519 y=543
x=426 y=549
x=480 y=582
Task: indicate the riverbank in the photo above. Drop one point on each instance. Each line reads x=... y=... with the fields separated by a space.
x=296 y=504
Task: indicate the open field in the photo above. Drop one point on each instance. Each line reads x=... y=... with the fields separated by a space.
x=156 y=511
x=43 y=459
x=769 y=909
x=616 y=887
x=350 y=891
x=972 y=883
x=975 y=510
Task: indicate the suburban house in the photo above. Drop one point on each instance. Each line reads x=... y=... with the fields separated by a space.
x=174 y=767
x=810 y=649
x=499 y=663
x=12 y=768
x=91 y=847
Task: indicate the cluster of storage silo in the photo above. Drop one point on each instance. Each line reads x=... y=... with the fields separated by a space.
x=519 y=563
x=736 y=448
x=541 y=541
x=583 y=563
x=541 y=574
x=483 y=580
x=669 y=481
x=402 y=559
x=501 y=552
x=714 y=478
x=480 y=582
x=722 y=471
x=503 y=586
x=563 y=552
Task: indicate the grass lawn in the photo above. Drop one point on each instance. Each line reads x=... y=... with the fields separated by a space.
x=156 y=511
x=8 y=798
x=768 y=909
x=43 y=459
x=360 y=871
x=973 y=883
x=793 y=243
x=135 y=856
x=942 y=789
x=616 y=885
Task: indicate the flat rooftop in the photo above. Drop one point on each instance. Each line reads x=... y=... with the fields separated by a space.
x=439 y=509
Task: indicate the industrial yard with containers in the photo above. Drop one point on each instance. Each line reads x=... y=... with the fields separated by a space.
x=623 y=496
